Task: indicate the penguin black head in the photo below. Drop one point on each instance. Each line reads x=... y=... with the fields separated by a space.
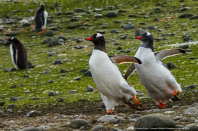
x=41 y=7
x=146 y=38
x=98 y=40
x=12 y=39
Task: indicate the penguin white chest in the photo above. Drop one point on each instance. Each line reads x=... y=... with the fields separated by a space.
x=106 y=74
x=14 y=56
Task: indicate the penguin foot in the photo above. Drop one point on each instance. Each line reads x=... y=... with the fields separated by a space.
x=136 y=101
x=162 y=105
x=43 y=30
x=110 y=112
x=175 y=93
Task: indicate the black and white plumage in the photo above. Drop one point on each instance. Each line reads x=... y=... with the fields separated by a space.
x=40 y=18
x=114 y=89
x=18 y=54
x=160 y=84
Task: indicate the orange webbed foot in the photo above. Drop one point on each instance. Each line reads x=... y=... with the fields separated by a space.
x=136 y=101
x=175 y=93
x=162 y=105
x=110 y=112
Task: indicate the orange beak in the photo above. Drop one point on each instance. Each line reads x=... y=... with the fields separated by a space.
x=88 y=39
x=139 y=37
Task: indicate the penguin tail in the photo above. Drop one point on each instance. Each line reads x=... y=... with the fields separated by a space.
x=29 y=65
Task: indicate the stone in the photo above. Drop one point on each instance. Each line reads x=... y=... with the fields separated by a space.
x=156 y=19
x=35 y=98
x=99 y=128
x=11 y=106
x=51 y=93
x=191 y=111
x=62 y=37
x=79 y=10
x=63 y=70
x=77 y=78
x=46 y=72
x=50 y=33
x=59 y=13
x=184 y=47
x=69 y=13
x=13 y=86
x=195 y=105
x=72 y=91
x=171 y=66
x=58 y=62
x=83 y=70
x=185 y=16
x=111 y=14
x=108 y=118
x=60 y=99
x=114 y=31
x=34 y=113
x=90 y=88
x=129 y=26
x=117 y=120
x=13 y=99
x=157 y=121
x=189 y=87
x=52 y=53
x=194 y=17
x=2 y=113
x=193 y=127
x=14 y=33
x=32 y=128
x=88 y=74
x=76 y=124
x=2 y=103
x=100 y=105
x=98 y=15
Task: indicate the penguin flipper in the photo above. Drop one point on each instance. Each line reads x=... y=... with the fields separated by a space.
x=130 y=70
x=167 y=53
x=125 y=59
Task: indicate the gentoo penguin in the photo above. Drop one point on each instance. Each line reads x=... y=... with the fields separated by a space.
x=114 y=89
x=40 y=18
x=156 y=78
x=18 y=54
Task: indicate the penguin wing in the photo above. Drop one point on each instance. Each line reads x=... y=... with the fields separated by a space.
x=167 y=53
x=125 y=59
x=130 y=70
x=42 y=19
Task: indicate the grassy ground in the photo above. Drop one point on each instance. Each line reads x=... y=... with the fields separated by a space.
x=37 y=82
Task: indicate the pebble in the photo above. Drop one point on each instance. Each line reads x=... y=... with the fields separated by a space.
x=34 y=113
x=76 y=124
x=99 y=128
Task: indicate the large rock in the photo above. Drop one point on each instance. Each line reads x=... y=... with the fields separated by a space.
x=76 y=124
x=154 y=121
x=191 y=111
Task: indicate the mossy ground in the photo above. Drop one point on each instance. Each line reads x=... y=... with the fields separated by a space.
x=77 y=59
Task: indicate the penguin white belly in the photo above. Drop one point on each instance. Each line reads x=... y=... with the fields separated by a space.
x=108 y=78
x=45 y=19
x=12 y=56
x=156 y=78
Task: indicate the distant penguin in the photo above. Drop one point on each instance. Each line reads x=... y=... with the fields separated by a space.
x=160 y=84
x=18 y=54
x=114 y=89
x=40 y=18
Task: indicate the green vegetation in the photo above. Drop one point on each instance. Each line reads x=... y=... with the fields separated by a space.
x=77 y=59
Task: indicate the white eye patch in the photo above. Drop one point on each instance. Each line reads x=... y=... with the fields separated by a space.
x=98 y=35
x=12 y=38
x=148 y=33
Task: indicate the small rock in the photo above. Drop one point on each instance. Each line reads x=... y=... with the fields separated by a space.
x=51 y=93
x=88 y=74
x=52 y=53
x=194 y=17
x=184 y=47
x=13 y=86
x=90 y=88
x=2 y=113
x=69 y=13
x=114 y=31
x=60 y=99
x=83 y=70
x=63 y=70
x=46 y=72
x=117 y=120
x=50 y=33
x=79 y=10
x=58 y=62
x=76 y=124
x=11 y=106
x=107 y=118
x=34 y=113
x=100 y=105
x=2 y=103
x=189 y=87
x=32 y=128
x=185 y=15
x=13 y=99
x=99 y=128
x=14 y=33
x=72 y=91
x=98 y=15
x=111 y=14
x=191 y=111
x=35 y=98
x=129 y=26
x=77 y=78
x=171 y=66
